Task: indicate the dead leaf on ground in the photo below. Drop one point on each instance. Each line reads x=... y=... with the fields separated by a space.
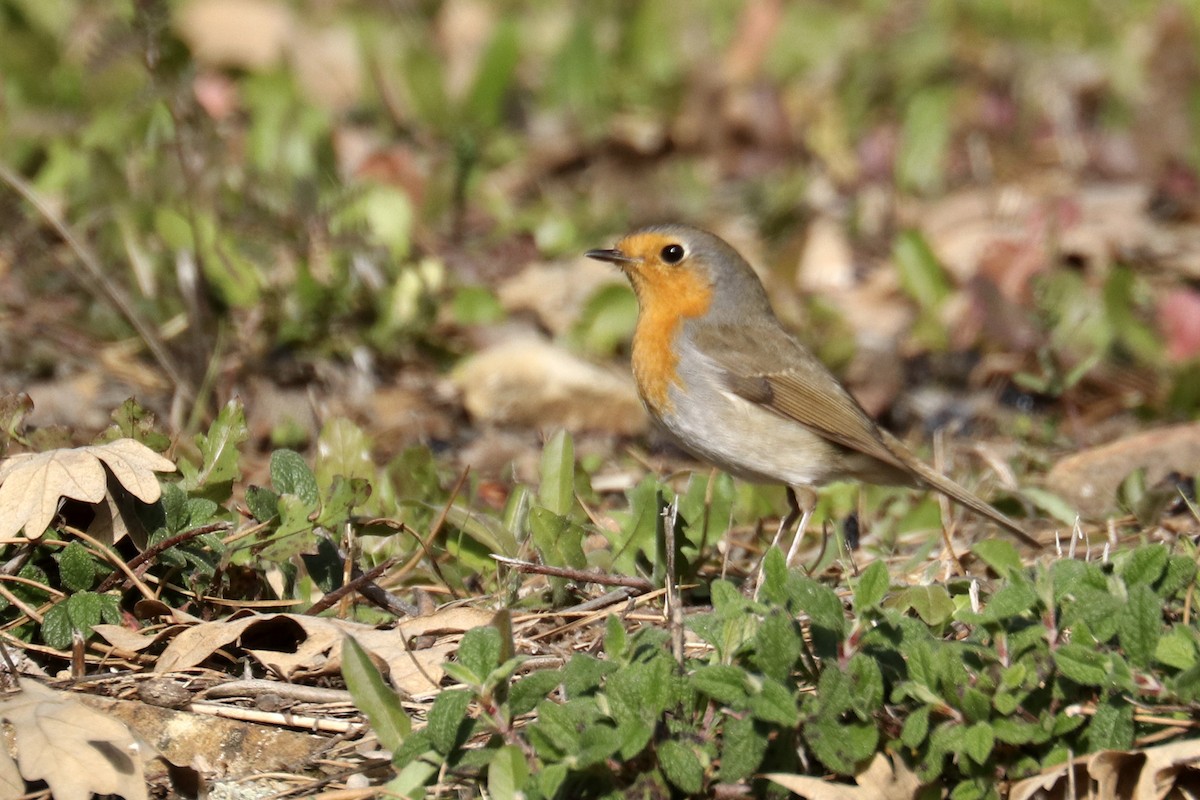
x=32 y=485
x=1168 y=770
x=883 y=779
x=78 y=752
x=296 y=646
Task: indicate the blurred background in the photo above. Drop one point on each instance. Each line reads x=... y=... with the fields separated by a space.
x=982 y=215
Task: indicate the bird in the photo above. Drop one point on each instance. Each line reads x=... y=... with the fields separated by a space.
x=717 y=369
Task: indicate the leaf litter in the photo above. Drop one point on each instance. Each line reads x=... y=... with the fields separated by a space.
x=33 y=485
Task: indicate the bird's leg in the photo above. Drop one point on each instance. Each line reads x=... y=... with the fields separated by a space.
x=803 y=510
x=789 y=519
x=796 y=510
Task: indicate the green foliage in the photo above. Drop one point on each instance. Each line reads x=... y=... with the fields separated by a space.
x=832 y=686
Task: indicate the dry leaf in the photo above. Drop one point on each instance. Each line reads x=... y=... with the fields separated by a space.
x=1150 y=774
x=78 y=752
x=298 y=646
x=34 y=484
x=11 y=782
x=883 y=779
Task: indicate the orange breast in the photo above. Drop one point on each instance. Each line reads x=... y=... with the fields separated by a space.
x=666 y=297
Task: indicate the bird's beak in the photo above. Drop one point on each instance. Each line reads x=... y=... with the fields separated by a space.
x=611 y=256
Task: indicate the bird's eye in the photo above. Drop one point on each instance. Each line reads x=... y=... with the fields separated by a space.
x=672 y=253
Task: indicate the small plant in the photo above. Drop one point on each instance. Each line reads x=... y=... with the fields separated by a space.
x=1054 y=662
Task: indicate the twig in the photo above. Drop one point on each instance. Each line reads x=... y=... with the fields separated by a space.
x=603 y=601
x=143 y=558
x=582 y=576
x=355 y=584
x=271 y=718
x=105 y=552
x=256 y=687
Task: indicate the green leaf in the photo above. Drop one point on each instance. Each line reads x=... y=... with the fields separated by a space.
x=598 y=742
x=1181 y=571
x=931 y=602
x=916 y=728
x=476 y=305
x=633 y=736
x=866 y=684
x=530 y=690
x=494 y=76
x=841 y=746
x=83 y=609
x=373 y=697
x=389 y=214
x=554 y=732
x=639 y=528
x=583 y=674
x=218 y=452
x=1013 y=731
x=558 y=539
x=616 y=640
x=925 y=140
x=681 y=766
x=999 y=554
x=606 y=321
x=1081 y=664
x=774 y=703
x=777 y=645
x=559 y=542
x=921 y=273
x=76 y=567
x=639 y=691
x=262 y=502
x=343 y=449
x=290 y=474
x=557 y=490
x=1111 y=727
x=871 y=587
x=826 y=615
x=413 y=777
x=1013 y=600
x=724 y=684
x=507 y=773
x=1139 y=624
x=56 y=627
x=448 y=722
x=1144 y=565
x=1052 y=504
x=479 y=650
x=978 y=741
x=743 y=745
x=1177 y=649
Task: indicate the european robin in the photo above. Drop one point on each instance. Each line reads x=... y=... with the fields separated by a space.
x=717 y=369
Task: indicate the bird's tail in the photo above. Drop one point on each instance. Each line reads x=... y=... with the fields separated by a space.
x=955 y=492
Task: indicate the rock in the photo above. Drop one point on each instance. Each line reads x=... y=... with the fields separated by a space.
x=1090 y=479
x=531 y=383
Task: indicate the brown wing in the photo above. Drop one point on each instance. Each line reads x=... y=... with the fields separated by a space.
x=766 y=366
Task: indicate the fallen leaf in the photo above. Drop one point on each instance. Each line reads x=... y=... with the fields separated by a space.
x=1149 y=774
x=1090 y=479
x=883 y=779
x=78 y=752
x=297 y=646
x=32 y=485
